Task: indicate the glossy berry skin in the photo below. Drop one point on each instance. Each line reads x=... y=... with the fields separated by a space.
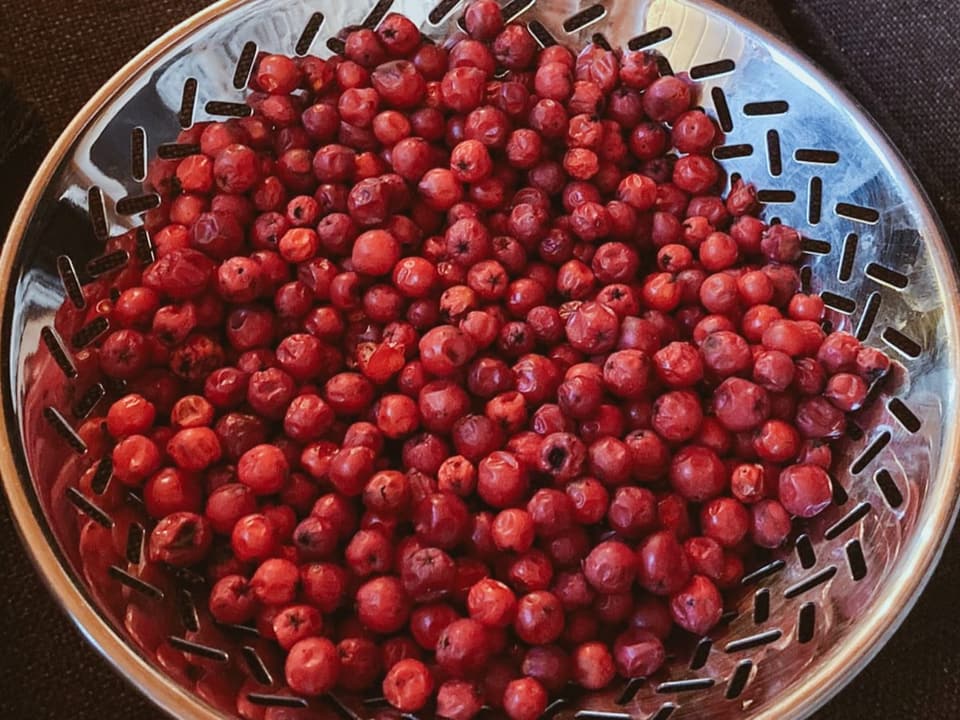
x=805 y=490
x=698 y=606
x=312 y=667
x=408 y=685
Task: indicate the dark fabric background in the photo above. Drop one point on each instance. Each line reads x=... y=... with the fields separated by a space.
x=901 y=58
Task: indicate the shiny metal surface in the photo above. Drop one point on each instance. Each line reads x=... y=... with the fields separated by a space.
x=897 y=289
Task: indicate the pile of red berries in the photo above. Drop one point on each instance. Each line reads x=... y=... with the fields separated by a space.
x=469 y=386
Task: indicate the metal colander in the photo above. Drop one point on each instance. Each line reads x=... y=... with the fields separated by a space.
x=801 y=626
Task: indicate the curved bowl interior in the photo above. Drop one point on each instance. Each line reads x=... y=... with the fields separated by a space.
x=803 y=625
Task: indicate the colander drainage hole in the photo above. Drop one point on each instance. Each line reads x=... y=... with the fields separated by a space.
x=57 y=350
x=70 y=281
x=805 y=552
x=513 y=9
x=630 y=691
x=287 y=701
x=584 y=18
x=188 y=100
x=888 y=487
x=856 y=560
x=761 y=606
x=701 y=653
x=256 y=665
x=739 y=679
x=241 y=75
x=847 y=521
x=806 y=622
x=309 y=33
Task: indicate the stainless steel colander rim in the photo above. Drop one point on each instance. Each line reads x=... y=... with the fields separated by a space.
x=801 y=699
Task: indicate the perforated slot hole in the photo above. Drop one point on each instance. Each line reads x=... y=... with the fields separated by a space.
x=712 y=69
x=70 y=281
x=144 y=247
x=648 y=39
x=904 y=415
x=896 y=339
x=136 y=204
x=256 y=665
x=729 y=152
x=138 y=153
x=174 y=151
x=443 y=9
x=540 y=33
x=810 y=583
x=764 y=572
x=879 y=443
x=701 y=653
x=840 y=303
x=888 y=488
x=761 y=606
x=600 y=40
x=630 y=691
x=57 y=350
x=204 y=651
x=102 y=475
x=222 y=108
x=88 y=401
x=820 y=157
x=840 y=495
x=188 y=99
x=336 y=45
x=665 y=711
x=88 y=508
x=805 y=552
x=739 y=679
x=309 y=33
x=583 y=18
x=869 y=316
x=806 y=622
x=135 y=583
x=770 y=107
x=847 y=521
x=241 y=74
x=107 y=263
x=815 y=247
x=188 y=610
x=723 y=109
x=816 y=197
x=97 y=212
x=663 y=65
x=888 y=276
x=90 y=332
x=598 y=715
x=63 y=429
x=377 y=14
x=856 y=561
x=753 y=641
x=849 y=255
x=135 y=544
x=858 y=213
x=287 y=701
x=678 y=686
x=773 y=153
x=776 y=196
x=806 y=276
x=514 y=9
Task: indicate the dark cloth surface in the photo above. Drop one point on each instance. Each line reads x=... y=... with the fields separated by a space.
x=900 y=58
